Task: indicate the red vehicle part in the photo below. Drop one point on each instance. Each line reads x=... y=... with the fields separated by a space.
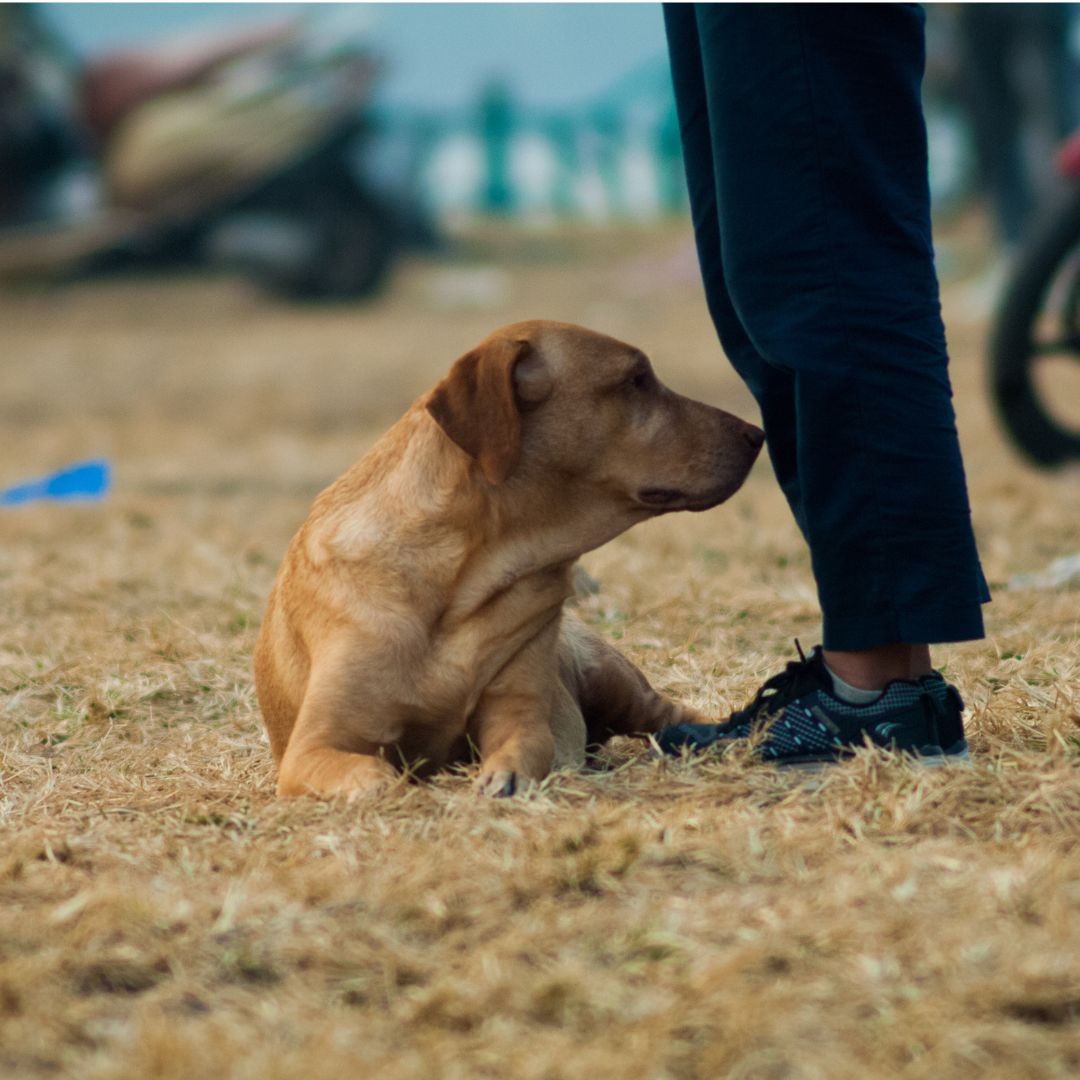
x=116 y=84
x=1068 y=159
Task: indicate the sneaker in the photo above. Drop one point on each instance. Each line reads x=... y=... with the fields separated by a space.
x=801 y=721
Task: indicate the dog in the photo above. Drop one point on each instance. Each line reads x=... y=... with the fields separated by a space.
x=418 y=615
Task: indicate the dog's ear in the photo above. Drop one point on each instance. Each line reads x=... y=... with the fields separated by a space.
x=478 y=403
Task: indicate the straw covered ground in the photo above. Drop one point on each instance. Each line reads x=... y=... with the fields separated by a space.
x=162 y=915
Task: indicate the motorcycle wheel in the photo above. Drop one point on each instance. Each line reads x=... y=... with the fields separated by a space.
x=311 y=242
x=352 y=244
x=354 y=248
x=1039 y=318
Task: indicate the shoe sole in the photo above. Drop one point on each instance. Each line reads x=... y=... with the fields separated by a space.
x=928 y=758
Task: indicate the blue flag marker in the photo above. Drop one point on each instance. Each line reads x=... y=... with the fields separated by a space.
x=86 y=482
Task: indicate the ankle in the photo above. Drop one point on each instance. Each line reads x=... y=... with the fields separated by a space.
x=874 y=669
x=851 y=695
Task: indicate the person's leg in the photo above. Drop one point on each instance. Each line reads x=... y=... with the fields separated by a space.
x=819 y=154
x=787 y=330
x=772 y=387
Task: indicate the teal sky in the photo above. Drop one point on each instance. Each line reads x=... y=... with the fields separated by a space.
x=437 y=54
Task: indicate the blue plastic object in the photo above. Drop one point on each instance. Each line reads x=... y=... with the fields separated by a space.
x=88 y=481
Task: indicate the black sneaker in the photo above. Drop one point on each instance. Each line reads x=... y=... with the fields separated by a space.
x=802 y=721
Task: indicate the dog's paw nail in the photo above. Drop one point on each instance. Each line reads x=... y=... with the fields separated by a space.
x=498 y=785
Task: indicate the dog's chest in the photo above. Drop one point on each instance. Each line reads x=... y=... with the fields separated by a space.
x=466 y=657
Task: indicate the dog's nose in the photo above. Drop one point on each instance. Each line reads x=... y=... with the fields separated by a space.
x=754 y=436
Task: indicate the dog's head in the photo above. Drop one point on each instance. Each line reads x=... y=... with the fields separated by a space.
x=549 y=404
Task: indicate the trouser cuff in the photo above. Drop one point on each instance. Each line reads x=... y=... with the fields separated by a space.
x=851 y=633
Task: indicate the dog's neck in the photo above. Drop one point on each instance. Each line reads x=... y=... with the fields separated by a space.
x=425 y=508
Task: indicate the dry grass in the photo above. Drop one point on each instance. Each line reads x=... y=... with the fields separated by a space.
x=162 y=915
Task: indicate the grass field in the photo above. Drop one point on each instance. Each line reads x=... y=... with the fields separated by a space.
x=162 y=915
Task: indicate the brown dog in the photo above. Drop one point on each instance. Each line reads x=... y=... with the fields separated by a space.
x=419 y=611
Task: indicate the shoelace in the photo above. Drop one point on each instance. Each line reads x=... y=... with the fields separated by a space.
x=776 y=692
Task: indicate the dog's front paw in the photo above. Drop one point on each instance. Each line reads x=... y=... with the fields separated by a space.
x=497 y=783
x=372 y=788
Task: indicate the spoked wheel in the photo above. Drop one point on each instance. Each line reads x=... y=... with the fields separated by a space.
x=1035 y=346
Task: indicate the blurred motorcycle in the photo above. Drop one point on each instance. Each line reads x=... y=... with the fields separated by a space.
x=1035 y=340
x=243 y=150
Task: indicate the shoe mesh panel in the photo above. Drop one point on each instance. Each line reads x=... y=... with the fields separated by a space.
x=898 y=696
x=797 y=732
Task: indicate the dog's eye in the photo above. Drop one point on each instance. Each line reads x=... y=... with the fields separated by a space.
x=641 y=379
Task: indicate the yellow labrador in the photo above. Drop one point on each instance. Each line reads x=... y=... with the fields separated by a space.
x=418 y=613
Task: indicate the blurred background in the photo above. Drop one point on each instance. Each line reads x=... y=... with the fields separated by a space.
x=534 y=112
x=341 y=153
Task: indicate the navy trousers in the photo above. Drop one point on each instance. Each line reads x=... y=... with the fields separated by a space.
x=806 y=160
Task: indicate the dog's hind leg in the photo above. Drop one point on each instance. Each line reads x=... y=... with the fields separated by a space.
x=568 y=729
x=615 y=697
